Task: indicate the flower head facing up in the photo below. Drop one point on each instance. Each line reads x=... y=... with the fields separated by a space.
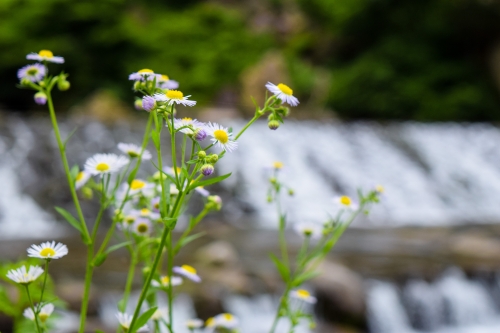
x=309 y=230
x=164 y=82
x=101 y=164
x=82 y=178
x=143 y=75
x=222 y=137
x=303 y=295
x=134 y=151
x=165 y=281
x=174 y=96
x=44 y=314
x=125 y=320
x=142 y=226
x=187 y=271
x=45 y=55
x=283 y=92
x=48 y=250
x=345 y=202
x=33 y=73
x=23 y=275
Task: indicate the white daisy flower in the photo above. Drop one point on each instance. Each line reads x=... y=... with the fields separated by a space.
x=23 y=275
x=142 y=226
x=345 y=202
x=45 y=55
x=187 y=271
x=277 y=165
x=134 y=151
x=165 y=281
x=44 y=314
x=226 y=320
x=174 y=96
x=48 y=250
x=309 y=230
x=159 y=314
x=283 y=92
x=202 y=191
x=221 y=137
x=125 y=320
x=101 y=164
x=303 y=295
x=82 y=178
x=379 y=189
x=129 y=220
x=164 y=82
x=34 y=72
x=141 y=186
x=143 y=75
x=146 y=213
x=194 y=323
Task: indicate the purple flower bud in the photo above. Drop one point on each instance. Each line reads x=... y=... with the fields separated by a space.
x=40 y=98
x=207 y=169
x=200 y=134
x=148 y=103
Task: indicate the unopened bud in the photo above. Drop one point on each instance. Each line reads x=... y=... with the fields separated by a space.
x=40 y=98
x=200 y=134
x=63 y=85
x=87 y=192
x=202 y=154
x=138 y=85
x=213 y=158
x=25 y=82
x=207 y=169
x=290 y=192
x=273 y=124
x=138 y=104
x=148 y=103
x=214 y=202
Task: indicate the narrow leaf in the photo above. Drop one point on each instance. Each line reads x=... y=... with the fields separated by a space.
x=209 y=181
x=74 y=222
x=117 y=246
x=143 y=319
x=304 y=277
x=191 y=238
x=282 y=269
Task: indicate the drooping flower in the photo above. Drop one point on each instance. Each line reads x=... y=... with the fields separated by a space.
x=45 y=55
x=148 y=103
x=187 y=271
x=283 y=92
x=309 y=230
x=345 y=202
x=48 y=250
x=164 y=82
x=134 y=151
x=23 y=275
x=101 y=164
x=33 y=72
x=82 y=178
x=44 y=314
x=125 y=320
x=143 y=75
x=165 y=281
x=174 y=96
x=221 y=137
x=303 y=295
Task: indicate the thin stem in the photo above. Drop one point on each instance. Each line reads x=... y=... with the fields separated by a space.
x=170 y=266
x=46 y=272
x=33 y=309
x=172 y=133
x=255 y=117
x=130 y=279
x=62 y=151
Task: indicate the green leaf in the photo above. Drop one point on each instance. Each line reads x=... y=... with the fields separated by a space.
x=131 y=176
x=192 y=162
x=117 y=246
x=69 y=136
x=304 y=277
x=191 y=238
x=143 y=319
x=74 y=222
x=99 y=260
x=156 y=138
x=209 y=181
x=74 y=172
x=282 y=269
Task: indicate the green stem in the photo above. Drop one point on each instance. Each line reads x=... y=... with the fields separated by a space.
x=172 y=133
x=33 y=309
x=190 y=228
x=62 y=151
x=255 y=117
x=46 y=272
x=130 y=279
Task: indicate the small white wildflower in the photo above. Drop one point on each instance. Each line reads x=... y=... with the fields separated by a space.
x=101 y=164
x=45 y=55
x=194 y=323
x=174 y=96
x=82 y=178
x=345 y=202
x=303 y=295
x=309 y=230
x=283 y=92
x=165 y=281
x=221 y=137
x=187 y=271
x=23 y=275
x=44 y=314
x=144 y=75
x=134 y=151
x=164 y=82
x=142 y=226
x=125 y=320
x=48 y=250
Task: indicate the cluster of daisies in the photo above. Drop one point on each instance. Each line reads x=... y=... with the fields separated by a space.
x=25 y=275
x=33 y=74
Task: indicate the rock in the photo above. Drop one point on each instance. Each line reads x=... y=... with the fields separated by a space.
x=473 y=249
x=341 y=296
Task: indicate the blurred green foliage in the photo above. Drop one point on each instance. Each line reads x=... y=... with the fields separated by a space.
x=426 y=60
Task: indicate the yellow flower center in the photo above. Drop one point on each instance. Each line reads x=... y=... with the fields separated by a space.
x=32 y=71
x=132 y=154
x=79 y=176
x=379 y=189
x=142 y=228
x=165 y=77
x=102 y=167
x=137 y=184
x=156 y=205
x=210 y=322
x=47 y=252
x=278 y=165
x=46 y=54
x=43 y=317
x=221 y=135
x=130 y=219
x=145 y=71
x=144 y=211
x=189 y=269
x=165 y=280
x=174 y=94
x=303 y=293
x=187 y=120
x=345 y=200
x=285 y=89
x=228 y=316
x=307 y=231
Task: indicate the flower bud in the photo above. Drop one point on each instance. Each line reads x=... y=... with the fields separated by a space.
x=63 y=85
x=283 y=110
x=200 y=134
x=138 y=104
x=291 y=192
x=273 y=124
x=87 y=193
x=214 y=202
x=148 y=103
x=207 y=169
x=202 y=154
x=25 y=82
x=138 y=85
x=40 y=98
x=213 y=158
